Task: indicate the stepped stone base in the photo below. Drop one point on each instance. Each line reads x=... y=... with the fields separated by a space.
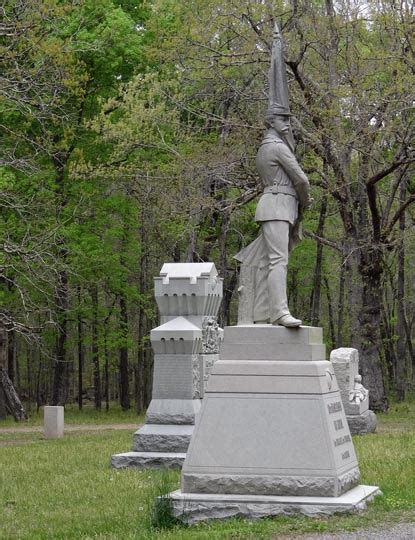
x=156 y=446
x=162 y=438
x=193 y=507
x=148 y=460
x=362 y=423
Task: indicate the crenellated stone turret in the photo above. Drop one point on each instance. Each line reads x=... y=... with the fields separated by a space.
x=185 y=346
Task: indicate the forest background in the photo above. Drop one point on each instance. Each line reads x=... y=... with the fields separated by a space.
x=128 y=138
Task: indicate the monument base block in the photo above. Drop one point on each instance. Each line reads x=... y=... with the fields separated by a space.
x=360 y=424
x=194 y=507
x=148 y=460
x=162 y=438
x=272 y=436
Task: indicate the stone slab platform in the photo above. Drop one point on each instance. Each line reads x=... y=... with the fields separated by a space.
x=194 y=507
x=162 y=438
x=148 y=460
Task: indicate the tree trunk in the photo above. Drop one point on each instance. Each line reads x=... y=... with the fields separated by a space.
x=387 y=335
x=370 y=319
x=292 y=291
x=140 y=368
x=106 y=367
x=222 y=269
x=331 y=315
x=9 y=400
x=95 y=348
x=123 y=355
x=38 y=382
x=401 y=350
x=11 y=355
x=316 y=291
x=13 y=403
x=81 y=360
x=148 y=367
x=59 y=366
x=341 y=305
x=3 y=410
x=228 y=293
x=3 y=364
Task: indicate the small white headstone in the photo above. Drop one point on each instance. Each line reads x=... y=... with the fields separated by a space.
x=53 y=417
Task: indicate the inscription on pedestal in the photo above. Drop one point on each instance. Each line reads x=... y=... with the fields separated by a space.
x=334 y=407
x=346 y=455
x=342 y=440
x=338 y=424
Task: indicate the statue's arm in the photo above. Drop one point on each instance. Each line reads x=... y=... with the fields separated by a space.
x=301 y=184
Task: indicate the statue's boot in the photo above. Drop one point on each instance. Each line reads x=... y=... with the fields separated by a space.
x=288 y=320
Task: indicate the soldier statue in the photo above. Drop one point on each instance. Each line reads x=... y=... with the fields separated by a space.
x=263 y=279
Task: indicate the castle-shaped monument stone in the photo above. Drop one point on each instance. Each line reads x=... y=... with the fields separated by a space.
x=185 y=348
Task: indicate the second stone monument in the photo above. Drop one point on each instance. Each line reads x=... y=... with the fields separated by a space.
x=185 y=347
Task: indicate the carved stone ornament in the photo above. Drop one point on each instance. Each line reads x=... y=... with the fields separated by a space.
x=210 y=336
x=359 y=392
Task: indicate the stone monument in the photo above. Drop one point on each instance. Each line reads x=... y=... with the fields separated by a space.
x=272 y=436
x=53 y=421
x=185 y=348
x=355 y=396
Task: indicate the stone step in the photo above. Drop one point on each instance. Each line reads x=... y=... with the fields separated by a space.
x=194 y=507
x=148 y=460
x=162 y=438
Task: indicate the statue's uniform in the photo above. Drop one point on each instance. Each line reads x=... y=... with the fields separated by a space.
x=286 y=194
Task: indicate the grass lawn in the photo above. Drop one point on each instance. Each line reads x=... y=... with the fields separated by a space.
x=65 y=488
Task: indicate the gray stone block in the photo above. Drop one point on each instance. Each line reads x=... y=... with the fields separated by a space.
x=147 y=460
x=177 y=336
x=362 y=423
x=162 y=438
x=268 y=368
x=188 y=289
x=274 y=335
x=271 y=427
x=172 y=411
x=269 y=484
x=174 y=376
x=192 y=508
x=279 y=436
x=346 y=366
x=268 y=384
x=279 y=351
x=53 y=421
x=354 y=409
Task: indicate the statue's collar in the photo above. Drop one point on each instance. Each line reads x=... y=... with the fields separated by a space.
x=272 y=136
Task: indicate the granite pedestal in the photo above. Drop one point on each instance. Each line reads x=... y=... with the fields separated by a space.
x=272 y=431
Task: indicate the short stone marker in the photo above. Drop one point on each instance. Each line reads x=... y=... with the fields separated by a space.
x=53 y=418
x=355 y=396
x=185 y=347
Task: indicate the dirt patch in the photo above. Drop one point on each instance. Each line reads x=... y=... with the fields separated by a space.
x=71 y=427
x=14 y=433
